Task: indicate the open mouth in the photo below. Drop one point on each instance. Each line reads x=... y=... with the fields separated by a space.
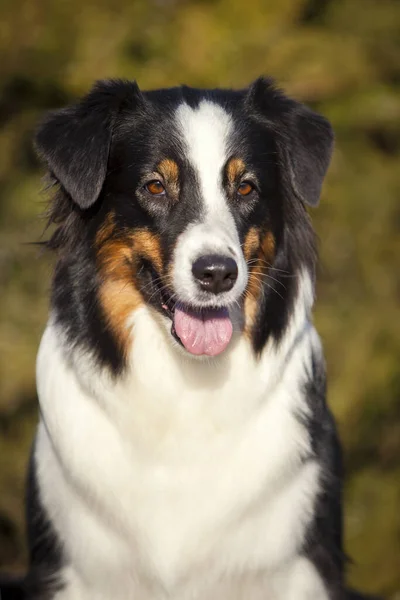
x=201 y=331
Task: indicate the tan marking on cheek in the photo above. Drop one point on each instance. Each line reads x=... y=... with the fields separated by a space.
x=147 y=244
x=251 y=243
x=119 y=299
x=118 y=294
x=258 y=271
x=169 y=271
x=235 y=169
x=251 y=302
x=268 y=247
x=117 y=264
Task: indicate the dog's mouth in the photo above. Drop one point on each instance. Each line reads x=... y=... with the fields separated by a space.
x=200 y=330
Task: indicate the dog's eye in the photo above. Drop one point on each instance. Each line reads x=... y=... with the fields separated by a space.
x=155 y=188
x=245 y=188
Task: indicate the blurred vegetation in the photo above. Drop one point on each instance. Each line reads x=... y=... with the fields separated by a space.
x=340 y=56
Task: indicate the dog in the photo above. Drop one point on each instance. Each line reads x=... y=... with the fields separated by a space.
x=185 y=449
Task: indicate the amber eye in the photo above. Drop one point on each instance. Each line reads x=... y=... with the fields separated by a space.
x=245 y=188
x=155 y=188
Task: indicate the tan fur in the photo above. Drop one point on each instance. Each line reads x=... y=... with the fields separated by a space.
x=251 y=243
x=268 y=246
x=117 y=264
x=147 y=244
x=235 y=169
x=169 y=169
x=261 y=251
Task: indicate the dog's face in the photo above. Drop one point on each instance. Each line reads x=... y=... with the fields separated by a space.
x=188 y=201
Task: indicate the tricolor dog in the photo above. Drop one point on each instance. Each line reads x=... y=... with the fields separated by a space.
x=185 y=450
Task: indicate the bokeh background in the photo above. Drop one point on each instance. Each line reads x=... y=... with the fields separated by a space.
x=342 y=57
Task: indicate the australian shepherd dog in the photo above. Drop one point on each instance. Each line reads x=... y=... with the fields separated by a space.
x=185 y=450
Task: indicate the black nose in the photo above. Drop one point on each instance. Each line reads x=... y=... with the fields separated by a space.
x=215 y=273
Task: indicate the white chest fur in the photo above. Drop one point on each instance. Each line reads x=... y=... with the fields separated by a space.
x=184 y=480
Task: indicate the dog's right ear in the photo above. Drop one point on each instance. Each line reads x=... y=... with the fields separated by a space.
x=75 y=142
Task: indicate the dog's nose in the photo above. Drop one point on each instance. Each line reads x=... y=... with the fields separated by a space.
x=215 y=273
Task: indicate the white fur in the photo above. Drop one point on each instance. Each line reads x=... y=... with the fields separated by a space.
x=183 y=480
x=206 y=131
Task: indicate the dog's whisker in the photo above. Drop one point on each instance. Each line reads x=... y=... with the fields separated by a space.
x=267 y=276
x=270 y=287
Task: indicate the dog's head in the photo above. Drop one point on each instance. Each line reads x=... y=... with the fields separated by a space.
x=191 y=202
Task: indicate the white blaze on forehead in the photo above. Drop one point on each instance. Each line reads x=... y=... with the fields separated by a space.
x=206 y=131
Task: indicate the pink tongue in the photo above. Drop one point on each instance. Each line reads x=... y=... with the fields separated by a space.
x=208 y=332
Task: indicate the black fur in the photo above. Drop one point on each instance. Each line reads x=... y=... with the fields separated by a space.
x=75 y=141
x=45 y=552
x=324 y=542
x=12 y=588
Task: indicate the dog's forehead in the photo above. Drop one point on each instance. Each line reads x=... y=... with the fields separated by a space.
x=200 y=129
x=205 y=132
x=205 y=129
x=192 y=117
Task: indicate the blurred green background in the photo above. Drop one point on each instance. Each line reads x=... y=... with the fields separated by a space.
x=342 y=57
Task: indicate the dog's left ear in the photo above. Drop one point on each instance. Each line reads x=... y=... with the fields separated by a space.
x=75 y=141
x=305 y=138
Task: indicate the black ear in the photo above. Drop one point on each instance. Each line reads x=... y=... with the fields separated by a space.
x=75 y=141
x=305 y=138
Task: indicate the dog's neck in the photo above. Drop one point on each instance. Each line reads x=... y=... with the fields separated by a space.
x=163 y=377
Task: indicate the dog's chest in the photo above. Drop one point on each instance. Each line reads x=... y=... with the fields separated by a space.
x=176 y=480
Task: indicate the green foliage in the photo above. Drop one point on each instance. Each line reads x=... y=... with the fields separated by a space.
x=340 y=56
